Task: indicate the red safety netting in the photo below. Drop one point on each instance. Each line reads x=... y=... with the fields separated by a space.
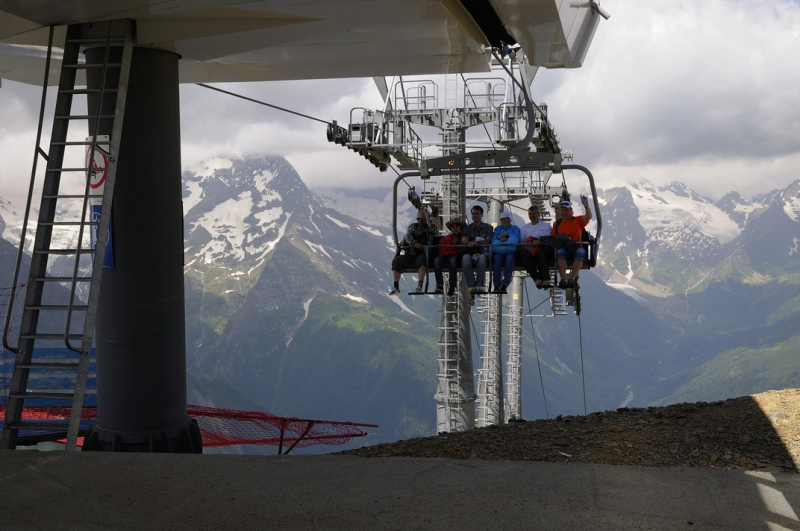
x=226 y=427
x=223 y=427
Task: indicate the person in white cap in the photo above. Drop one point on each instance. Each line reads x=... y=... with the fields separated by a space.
x=572 y=226
x=504 y=252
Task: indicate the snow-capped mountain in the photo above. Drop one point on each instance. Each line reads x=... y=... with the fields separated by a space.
x=238 y=212
x=668 y=239
x=286 y=301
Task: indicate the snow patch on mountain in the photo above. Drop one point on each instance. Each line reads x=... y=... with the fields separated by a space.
x=671 y=209
x=261 y=181
x=227 y=222
x=337 y=222
x=370 y=230
x=194 y=192
x=792 y=208
x=319 y=249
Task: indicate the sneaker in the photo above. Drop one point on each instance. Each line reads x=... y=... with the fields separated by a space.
x=471 y=299
x=472 y=290
x=439 y=290
x=571 y=283
x=419 y=289
x=451 y=291
x=562 y=284
x=479 y=289
x=501 y=289
x=394 y=291
x=545 y=284
x=538 y=283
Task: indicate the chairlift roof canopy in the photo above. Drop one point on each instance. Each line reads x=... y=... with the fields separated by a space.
x=265 y=40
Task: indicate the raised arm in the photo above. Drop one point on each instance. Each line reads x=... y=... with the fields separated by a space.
x=587 y=217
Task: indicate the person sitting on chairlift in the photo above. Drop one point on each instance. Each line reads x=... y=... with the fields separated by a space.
x=479 y=235
x=504 y=252
x=450 y=255
x=571 y=226
x=534 y=256
x=412 y=251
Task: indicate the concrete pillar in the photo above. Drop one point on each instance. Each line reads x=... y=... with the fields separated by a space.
x=141 y=353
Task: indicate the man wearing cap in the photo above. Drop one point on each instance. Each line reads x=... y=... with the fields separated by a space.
x=534 y=256
x=449 y=254
x=412 y=251
x=572 y=226
x=504 y=252
x=479 y=235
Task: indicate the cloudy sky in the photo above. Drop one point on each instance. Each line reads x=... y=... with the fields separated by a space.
x=706 y=92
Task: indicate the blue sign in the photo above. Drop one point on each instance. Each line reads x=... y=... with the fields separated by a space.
x=108 y=258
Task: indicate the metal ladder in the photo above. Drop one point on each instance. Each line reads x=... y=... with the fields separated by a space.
x=40 y=377
x=448 y=389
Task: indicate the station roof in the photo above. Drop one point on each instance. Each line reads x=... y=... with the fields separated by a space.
x=263 y=40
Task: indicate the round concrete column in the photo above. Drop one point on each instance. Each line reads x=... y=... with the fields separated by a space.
x=141 y=354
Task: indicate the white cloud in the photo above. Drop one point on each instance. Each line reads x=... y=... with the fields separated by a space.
x=700 y=92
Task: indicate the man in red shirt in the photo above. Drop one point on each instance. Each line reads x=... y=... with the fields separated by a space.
x=572 y=226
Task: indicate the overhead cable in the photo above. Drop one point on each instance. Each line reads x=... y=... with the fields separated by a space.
x=262 y=103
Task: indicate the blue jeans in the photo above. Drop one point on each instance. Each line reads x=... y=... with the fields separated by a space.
x=438 y=264
x=467 y=262
x=506 y=263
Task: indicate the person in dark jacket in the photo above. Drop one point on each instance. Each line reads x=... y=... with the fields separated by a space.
x=413 y=252
x=478 y=235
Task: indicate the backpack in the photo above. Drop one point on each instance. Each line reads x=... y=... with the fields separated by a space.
x=584 y=232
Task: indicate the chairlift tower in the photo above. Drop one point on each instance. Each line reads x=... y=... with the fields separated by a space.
x=524 y=153
x=493 y=103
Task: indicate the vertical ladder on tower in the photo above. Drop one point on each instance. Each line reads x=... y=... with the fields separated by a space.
x=490 y=375
x=513 y=403
x=53 y=312
x=448 y=370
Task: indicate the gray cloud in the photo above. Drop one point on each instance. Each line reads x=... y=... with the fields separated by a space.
x=685 y=84
x=702 y=92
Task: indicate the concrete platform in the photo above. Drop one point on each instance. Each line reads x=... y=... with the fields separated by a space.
x=93 y=491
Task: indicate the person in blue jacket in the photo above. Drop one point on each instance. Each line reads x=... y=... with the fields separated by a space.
x=504 y=252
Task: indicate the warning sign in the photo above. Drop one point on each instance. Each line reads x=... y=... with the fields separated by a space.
x=99 y=165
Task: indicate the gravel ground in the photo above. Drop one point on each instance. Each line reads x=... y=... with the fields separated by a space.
x=754 y=432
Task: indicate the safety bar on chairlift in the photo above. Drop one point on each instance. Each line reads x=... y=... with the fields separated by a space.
x=589 y=175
